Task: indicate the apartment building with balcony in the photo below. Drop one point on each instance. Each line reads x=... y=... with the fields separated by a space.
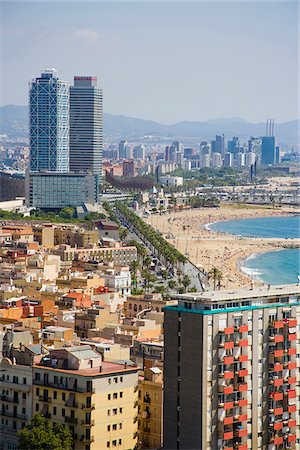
x=97 y=400
x=231 y=370
x=15 y=401
x=150 y=408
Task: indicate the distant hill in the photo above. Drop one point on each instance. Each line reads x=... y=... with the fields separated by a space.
x=14 y=122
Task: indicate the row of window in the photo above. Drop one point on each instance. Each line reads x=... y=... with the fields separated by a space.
x=114 y=411
x=115 y=380
x=114 y=427
x=113 y=443
x=15 y=379
x=114 y=396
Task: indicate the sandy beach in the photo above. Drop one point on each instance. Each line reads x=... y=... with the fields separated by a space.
x=207 y=249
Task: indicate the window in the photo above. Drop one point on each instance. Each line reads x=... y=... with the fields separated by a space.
x=109 y=381
x=114 y=443
x=63 y=412
x=37 y=376
x=121 y=379
x=108 y=444
x=115 y=411
x=120 y=441
x=116 y=379
x=108 y=427
x=15 y=379
x=121 y=394
x=108 y=412
x=120 y=426
x=108 y=397
x=63 y=396
x=54 y=410
x=121 y=410
x=114 y=426
x=115 y=395
x=55 y=395
x=24 y=381
x=23 y=410
x=37 y=407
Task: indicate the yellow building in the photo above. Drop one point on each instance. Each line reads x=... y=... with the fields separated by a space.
x=97 y=400
x=150 y=408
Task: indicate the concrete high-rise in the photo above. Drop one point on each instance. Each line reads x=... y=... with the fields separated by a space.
x=86 y=126
x=49 y=123
x=231 y=370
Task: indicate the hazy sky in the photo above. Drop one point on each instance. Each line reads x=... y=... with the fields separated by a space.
x=162 y=61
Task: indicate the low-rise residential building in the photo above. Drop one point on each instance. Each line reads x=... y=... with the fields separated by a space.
x=120 y=256
x=119 y=279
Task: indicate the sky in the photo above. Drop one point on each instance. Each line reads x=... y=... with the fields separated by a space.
x=168 y=62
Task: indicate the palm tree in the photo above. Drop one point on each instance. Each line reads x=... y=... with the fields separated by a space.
x=216 y=275
x=133 y=270
x=186 y=281
x=147 y=262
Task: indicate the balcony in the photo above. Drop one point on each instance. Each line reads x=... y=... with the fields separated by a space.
x=278 y=426
x=243 y=387
x=147 y=399
x=87 y=440
x=278 y=440
x=228 y=420
x=228 y=360
x=292 y=408
x=292 y=438
x=6 y=398
x=291 y=393
x=135 y=404
x=69 y=419
x=278 y=324
x=72 y=404
x=278 y=382
x=4 y=384
x=278 y=338
x=291 y=423
x=88 y=407
x=243 y=447
x=292 y=365
x=227 y=375
x=276 y=396
x=241 y=433
x=276 y=368
x=13 y=415
x=292 y=380
x=228 y=435
x=243 y=328
x=45 y=399
x=243 y=373
x=228 y=345
x=292 y=323
x=85 y=423
x=243 y=402
x=243 y=343
x=292 y=351
x=243 y=358
x=278 y=353
x=278 y=411
x=228 y=405
x=229 y=330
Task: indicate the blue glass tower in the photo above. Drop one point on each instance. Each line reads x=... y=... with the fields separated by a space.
x=268 y=155
x=49 y=123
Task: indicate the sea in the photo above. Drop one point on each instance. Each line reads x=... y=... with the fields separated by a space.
x=276 y=267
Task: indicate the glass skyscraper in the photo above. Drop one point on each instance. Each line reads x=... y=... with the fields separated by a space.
x=49 y=123
x=268 y=155
x=86 y=126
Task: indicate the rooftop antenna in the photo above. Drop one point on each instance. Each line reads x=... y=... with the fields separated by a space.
x=267 y=127
x=273 y=128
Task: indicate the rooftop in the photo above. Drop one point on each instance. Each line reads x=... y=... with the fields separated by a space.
x=106 y=368
x=240 y=294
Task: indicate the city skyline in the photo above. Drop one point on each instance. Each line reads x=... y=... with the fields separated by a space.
x=165 y=62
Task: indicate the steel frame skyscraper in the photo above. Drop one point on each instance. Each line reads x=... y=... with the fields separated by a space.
x=86 y=126
x=49 y=123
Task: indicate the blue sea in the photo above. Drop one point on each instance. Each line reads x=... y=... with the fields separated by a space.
x=265 y=227
x=276 y=267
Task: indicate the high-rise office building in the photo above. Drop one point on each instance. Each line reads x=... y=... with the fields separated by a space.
x=268 y=152
x=125 y=150
x=216 y=160
x=228 y=160
x=49 y=123
x=233 y=145
x=218 y=145
x=128 y=168
x=231 y=370
x=86 y=126
x=139 y=152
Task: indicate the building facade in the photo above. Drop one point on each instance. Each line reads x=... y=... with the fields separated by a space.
x=231 y=373
x=86 y=126
x=268 y=155
x=59 y=190
x=49 y=123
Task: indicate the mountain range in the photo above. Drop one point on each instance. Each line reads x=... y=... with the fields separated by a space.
x=14 y=123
